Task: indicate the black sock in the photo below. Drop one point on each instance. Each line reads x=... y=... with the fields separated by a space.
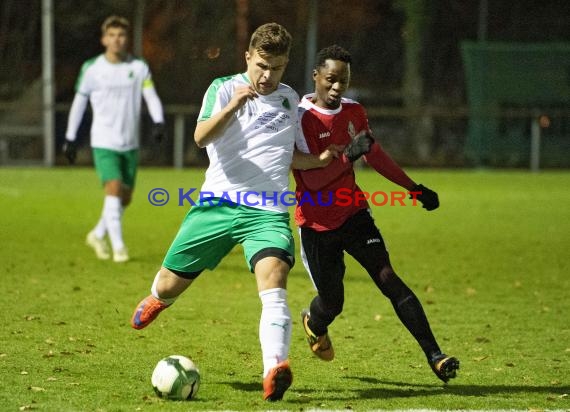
x=412 y=315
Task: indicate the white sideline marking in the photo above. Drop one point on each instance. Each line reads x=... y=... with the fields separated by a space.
x=439 y=410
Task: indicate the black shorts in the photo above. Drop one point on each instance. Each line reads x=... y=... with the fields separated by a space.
x=323 y=252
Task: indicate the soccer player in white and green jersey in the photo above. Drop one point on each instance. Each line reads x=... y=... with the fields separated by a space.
x=114 y=83
x=248 y=124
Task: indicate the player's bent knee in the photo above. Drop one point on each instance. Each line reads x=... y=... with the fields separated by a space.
x=113 y=187
x=180 y=274
x=272 y=252
x=271 y=272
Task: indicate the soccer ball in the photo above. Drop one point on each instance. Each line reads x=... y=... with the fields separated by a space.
x=176 y=377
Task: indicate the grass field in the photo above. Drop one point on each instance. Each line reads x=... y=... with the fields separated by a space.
x=490 y=266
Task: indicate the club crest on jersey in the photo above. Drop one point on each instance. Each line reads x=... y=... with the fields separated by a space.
x=286 y=103
x=351 y=130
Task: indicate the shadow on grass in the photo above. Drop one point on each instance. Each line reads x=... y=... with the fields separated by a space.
x=245 y=386
x=394 y=389
x=407 y=389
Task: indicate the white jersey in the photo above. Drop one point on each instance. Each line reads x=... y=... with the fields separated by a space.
x=115 y=93
x=250 y=162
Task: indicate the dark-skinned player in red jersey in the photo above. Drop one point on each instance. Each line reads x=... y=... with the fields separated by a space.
x=329 y=225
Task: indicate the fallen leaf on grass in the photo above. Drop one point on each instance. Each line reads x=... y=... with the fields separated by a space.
x=482 y=339
x=23 y=373
x=564 y=395
x=51 y=379
x=36 y=389
x=377 y=317
x=510 y=364
x=50 y=354
x=470 y=291
x=26 y=407
x=31 y=317
x=480 y=358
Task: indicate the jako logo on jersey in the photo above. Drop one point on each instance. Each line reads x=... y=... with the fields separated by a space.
x=370 y=241
x=322 y=135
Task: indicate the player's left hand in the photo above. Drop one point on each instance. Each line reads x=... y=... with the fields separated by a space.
x=70 y=151
x=428 y=197
x=158 y=132
x=359 y=146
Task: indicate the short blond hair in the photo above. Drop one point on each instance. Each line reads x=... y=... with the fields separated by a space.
x=115 y=21
x=271 y=38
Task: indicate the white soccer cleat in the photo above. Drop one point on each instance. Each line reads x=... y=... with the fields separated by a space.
x=98 y=245
x=120 y=256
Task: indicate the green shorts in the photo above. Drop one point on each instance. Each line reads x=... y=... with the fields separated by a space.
x=208 y=233
x=115 y=165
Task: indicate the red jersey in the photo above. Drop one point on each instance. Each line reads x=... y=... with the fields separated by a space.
x=327 y=197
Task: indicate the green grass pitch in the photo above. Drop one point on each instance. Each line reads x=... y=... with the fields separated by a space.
x=490 y=267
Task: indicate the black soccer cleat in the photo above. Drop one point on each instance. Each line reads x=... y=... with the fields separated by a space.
x=445 y=367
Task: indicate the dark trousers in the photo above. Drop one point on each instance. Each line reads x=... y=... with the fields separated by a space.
x=323 y=256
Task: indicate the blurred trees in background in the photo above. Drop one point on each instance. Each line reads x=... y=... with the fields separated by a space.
x=405 y=52
x=189 y=42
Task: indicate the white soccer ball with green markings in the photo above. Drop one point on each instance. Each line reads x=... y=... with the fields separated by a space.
x=176 y=377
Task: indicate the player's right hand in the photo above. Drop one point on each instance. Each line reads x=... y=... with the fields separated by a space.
x=331 y=152
x=70 y=151
x=241 y=95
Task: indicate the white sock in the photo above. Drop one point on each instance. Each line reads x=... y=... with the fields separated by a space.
x=154 y=292
x=100 y=229
x=274 y=327
x=112 y=216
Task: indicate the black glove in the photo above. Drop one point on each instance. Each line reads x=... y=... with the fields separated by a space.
x=70 y=150
x=158 y=132
x=360 y=145
x=429 y=198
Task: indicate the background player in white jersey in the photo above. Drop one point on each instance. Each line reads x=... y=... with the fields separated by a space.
x=329 y=225
x=114 y=83
x=248 y=124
